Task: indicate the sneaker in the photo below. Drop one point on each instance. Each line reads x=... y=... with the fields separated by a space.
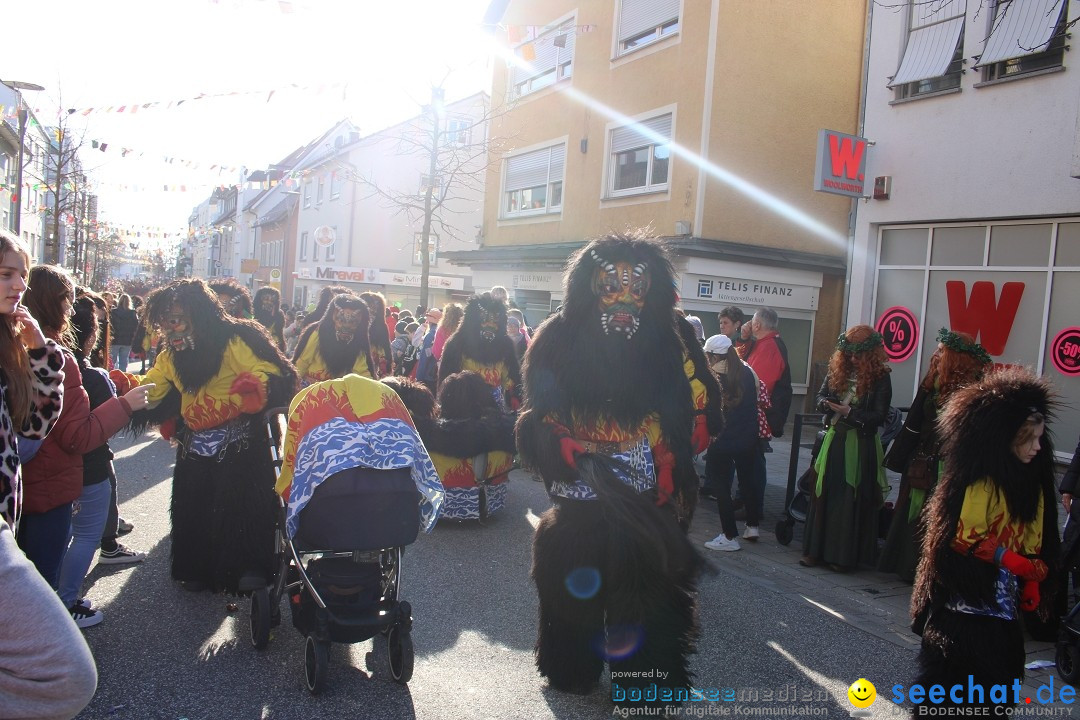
x=120 y=556
x=723 y=543
x=85 y=602
x=85 y=617
x=750 y=533
x=123 y=527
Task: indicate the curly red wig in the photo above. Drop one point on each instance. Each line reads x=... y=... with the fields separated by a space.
x=953 y=369
x=867 y=366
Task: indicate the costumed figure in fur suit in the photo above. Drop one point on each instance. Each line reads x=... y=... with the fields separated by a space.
x=233 y=296
x=337 y=345
x=991 y=541
x=217 y=373
x=269 y=314
x=607 y=421
x=470 y=439
x=916 y=451
x=481 y=344
x=378 y=335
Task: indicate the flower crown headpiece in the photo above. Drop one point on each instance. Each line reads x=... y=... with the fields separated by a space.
x=870 y=343
x=953 y=341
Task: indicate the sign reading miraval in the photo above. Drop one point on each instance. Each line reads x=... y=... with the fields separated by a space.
x=841 y=164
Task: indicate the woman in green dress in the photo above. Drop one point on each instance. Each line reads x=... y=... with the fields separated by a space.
x=916 y=452
x=842 y=525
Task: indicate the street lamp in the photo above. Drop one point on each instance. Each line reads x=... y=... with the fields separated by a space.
x=18 y=85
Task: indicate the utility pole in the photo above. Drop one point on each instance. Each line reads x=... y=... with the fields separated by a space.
x=435 y=108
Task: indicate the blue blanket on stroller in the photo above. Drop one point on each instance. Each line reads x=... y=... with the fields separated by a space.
x=347 y=423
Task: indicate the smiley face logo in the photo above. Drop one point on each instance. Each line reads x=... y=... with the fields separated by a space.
x=862 y=693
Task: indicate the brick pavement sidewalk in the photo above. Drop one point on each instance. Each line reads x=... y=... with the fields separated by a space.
x=872 y=601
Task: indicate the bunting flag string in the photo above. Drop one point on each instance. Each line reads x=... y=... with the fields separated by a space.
x=132 y=108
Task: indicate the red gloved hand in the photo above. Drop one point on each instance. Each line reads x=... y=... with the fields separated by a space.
x=123 y=381
x=700 y=438
x=1022 y=567
x=251 y=391
x=1029 y=596
x=569 y=448
x=168 y=428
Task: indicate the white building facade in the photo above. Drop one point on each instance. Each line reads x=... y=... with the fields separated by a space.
x=973 y=111
x=353 y=229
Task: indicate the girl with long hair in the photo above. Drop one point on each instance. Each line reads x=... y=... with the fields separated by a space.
x=54 y=477
x=31 y=379
x=842 y=525
x=448 y=325
x=916 y=452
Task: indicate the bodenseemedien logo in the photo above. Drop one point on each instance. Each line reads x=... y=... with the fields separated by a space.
x=861 y=695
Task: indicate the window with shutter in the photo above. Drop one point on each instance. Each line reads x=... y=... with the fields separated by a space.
x=640 y=157
x=532 y=182
x=934 y=55
x=1026 y=36
x=543 y=60
x=642 y=22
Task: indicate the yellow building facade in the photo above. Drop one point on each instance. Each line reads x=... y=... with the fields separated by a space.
x=696 y=118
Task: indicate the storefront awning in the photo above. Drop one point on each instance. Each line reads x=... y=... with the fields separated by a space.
x=929 y=51
x=556 y=255
x=1021 y=28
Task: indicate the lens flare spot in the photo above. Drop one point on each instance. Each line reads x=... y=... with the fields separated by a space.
x=622 y=642
x=583 y=583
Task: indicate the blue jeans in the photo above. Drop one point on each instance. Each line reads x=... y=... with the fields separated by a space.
x=88 y=515
x=44 y=537
x=119 y=355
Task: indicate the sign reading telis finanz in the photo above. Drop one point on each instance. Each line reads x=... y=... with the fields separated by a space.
x=753 y=293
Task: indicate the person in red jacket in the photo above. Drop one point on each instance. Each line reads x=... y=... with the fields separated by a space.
x=53 y=479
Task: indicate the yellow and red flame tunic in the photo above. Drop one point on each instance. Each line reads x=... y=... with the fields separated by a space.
x=640 y=449
x=985 y=514
x=496 y=375
x=311 y=367
x=212 y=405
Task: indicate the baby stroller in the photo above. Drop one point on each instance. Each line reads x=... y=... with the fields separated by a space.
x=341 y=569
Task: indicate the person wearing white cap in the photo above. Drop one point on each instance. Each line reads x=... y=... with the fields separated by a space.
x=736 y=446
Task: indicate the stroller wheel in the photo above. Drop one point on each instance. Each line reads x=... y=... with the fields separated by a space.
x=400 y=649
x=260 y=618
x=1068 y=662
x=784 y=532
x=316 y=664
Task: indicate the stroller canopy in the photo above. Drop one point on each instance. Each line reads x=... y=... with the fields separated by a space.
x=346 y=423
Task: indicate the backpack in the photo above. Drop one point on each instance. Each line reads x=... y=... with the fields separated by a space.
x=781 y=395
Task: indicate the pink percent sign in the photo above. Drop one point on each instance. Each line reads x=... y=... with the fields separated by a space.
x=900 y=332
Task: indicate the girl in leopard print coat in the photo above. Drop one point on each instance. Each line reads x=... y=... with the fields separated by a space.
x=31 y=379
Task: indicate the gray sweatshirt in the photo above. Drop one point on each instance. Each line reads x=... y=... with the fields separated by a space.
x=46 y=669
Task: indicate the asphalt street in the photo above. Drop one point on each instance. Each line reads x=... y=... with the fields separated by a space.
x=166 y=653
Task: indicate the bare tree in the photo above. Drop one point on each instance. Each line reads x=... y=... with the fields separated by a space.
x=457 y=160
x=66 y=183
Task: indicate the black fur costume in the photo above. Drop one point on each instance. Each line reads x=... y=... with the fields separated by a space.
x=979 y=424
x=273 y=319
x=223 y=507
x=238 y=303
x=639 y=615
x=339 y=358
x=378 y=334
x=466 y=424
x=469 y=345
